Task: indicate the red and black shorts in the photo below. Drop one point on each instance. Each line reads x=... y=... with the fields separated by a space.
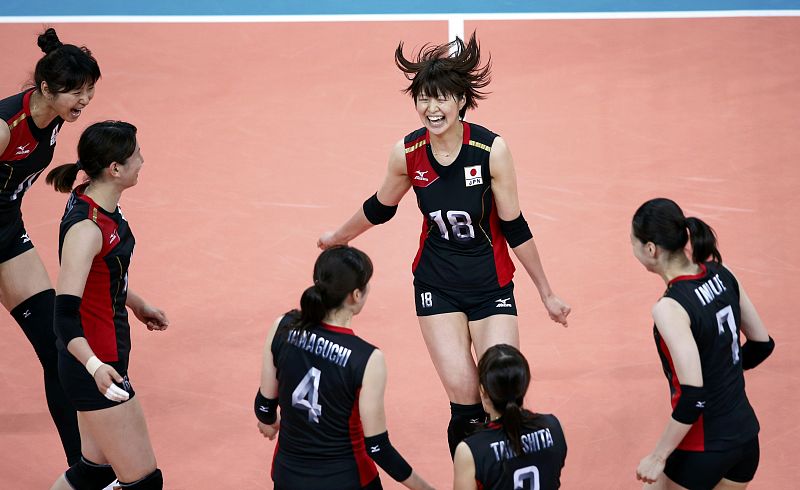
x=80 y=387
x=477 y=304
x=14 y=239
x=704 y=470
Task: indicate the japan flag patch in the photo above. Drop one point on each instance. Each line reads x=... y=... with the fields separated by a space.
x=472 y=175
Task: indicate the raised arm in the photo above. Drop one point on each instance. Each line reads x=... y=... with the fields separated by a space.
x=82 y=243
x=373 y=420
x=516 y=230
x=674 y=326
x=378 y=208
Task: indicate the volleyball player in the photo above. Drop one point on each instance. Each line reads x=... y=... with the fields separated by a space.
x=465 y=185
x=711 y=439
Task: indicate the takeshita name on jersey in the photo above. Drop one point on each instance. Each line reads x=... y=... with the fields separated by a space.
x=531 y=443
x=472 y=175
x=320 y=346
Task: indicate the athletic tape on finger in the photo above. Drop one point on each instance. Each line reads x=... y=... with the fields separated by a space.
x=116 y=394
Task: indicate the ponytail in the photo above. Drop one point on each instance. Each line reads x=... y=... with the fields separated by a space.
x=338 y=271
x=513 y=421
x=704 y=241
x=63 y=177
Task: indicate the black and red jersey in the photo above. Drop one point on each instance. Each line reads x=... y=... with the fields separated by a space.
x=461 y=245
x=498 y=467
x=104 y=317
x=711 y=299
x=28 y=153
x=321 y=441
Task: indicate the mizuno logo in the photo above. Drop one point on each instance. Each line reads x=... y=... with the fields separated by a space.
x=475 y=421
x=113 y=237
x=262 y=408
x=421 y=175
x=503 y=303
x=374 y=449
x=23 y=150
x=700 y=405
x=26 y=314
x=25 y=238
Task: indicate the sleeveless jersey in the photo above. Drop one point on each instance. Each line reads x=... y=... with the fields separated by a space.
x=29 y=151
x=104 y=317
x=461 y=245
x=711 y=299
x=497 y=467
x=321 y=440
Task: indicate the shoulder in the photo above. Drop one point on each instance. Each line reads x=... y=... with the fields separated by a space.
x=84 y=235
x=482 y=135
x=667 y=308
x=5 y=136
x=414 y=136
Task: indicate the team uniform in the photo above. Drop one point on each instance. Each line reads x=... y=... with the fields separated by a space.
x=462 y=263
x=29 y=152
x=497 y=467
x=103 y=315
x=321 y=441
x=723 y=442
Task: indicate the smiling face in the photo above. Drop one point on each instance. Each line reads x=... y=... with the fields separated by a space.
x=69 y=105
x=439 y=113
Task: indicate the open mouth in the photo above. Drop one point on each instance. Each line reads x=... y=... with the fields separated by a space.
x=75 y=112
x=436 y=120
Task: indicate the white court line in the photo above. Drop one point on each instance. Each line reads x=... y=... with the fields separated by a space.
x=395 y=17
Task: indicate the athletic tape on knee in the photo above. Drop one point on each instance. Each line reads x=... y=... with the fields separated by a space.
x=516 y=231
x=86 y=475
x=386 y=456
x=690 y=404
x=376 y=212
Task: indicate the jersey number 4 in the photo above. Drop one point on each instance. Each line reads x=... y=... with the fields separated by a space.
x=725 y=317
x=306 y=395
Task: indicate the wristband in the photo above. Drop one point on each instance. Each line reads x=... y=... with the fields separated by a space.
x=92 y=364
x=266 y=409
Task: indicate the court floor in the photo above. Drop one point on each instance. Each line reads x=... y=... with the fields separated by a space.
x=257 y=137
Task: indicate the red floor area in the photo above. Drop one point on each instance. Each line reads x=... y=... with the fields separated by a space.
x=257 y=137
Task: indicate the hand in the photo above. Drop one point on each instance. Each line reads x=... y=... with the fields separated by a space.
x=327 y=240
x=270 y=431
x=650 y=468
x=557 y=309
x=104 y=377
x=153 y=317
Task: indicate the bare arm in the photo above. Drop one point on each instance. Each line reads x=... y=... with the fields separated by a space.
x=464 y=469
x=154 y=318
x=373 y=416
x=673 y=325
x=504 y=189
x=81 y=244
x=269 y=380
x=395 y=185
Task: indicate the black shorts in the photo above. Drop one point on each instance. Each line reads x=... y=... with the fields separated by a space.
x=373 y=485
x=13 y=237
x=80 y=387
x=704 y=470
x=476 y=304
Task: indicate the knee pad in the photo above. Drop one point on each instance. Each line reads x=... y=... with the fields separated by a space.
x=86 y=475
x=153 y=481
x=464 y=420
x=35 y=316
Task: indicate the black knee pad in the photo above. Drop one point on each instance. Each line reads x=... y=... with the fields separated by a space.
x=35 y=316
x=153 y=481
x=464 y=420
x=86 y=475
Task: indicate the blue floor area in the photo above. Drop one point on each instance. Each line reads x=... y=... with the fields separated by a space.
x=334 y=7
